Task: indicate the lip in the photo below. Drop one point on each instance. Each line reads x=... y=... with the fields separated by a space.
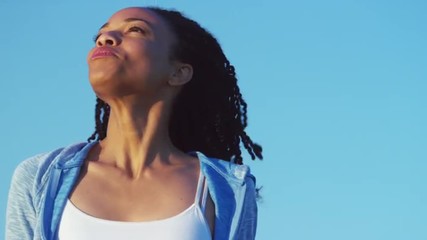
x=102 y=52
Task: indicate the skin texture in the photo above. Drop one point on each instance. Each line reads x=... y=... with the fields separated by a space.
x=135 y=173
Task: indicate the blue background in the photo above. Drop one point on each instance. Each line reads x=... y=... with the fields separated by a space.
x=336 y=93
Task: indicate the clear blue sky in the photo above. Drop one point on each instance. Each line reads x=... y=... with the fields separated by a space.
x=337 y=96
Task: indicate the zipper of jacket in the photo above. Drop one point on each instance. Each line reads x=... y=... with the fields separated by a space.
x=49 y=200
x=239 y=172
x=239 y=220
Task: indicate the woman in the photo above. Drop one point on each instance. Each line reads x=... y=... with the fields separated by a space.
x=167 y=97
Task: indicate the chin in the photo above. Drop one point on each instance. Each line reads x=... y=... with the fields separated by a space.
x=103 y=81
x=103 y=74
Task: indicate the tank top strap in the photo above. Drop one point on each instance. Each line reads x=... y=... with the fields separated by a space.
x=202 y=192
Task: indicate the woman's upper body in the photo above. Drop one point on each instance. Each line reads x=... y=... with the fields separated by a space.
x=190 y=224
x=41 y=186
x=164 y=88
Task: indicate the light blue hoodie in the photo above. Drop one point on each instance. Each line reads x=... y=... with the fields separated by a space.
x=41 y=185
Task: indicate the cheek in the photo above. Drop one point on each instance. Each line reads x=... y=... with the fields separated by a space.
x=153 y=59
x=158 y=53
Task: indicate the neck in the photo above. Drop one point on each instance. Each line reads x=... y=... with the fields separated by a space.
x=137 y=137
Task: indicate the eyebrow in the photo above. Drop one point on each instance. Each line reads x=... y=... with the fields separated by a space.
x=128 y=20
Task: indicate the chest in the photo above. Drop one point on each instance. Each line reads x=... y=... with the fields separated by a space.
x=189 y=224
x=151 y=198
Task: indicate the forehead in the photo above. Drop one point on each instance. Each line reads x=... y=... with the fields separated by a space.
x=135 y=12
x=156 y=22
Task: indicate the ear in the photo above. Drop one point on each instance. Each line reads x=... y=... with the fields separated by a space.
x=181 y=75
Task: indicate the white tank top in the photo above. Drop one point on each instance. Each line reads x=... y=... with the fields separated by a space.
x=190 y=224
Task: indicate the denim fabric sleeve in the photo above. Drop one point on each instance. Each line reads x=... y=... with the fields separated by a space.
x=20 y=212
x=248 y=220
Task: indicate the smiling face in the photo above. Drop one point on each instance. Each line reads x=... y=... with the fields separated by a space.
x=132 y=55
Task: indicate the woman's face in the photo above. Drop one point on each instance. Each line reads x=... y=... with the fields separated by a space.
x=131 y=55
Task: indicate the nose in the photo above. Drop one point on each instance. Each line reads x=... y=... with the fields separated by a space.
x=108 y=38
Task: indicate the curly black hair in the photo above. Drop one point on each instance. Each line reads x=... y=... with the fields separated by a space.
x=209 y=113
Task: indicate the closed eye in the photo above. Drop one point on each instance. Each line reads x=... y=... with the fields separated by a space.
x=137 y=29
x=130 y=29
